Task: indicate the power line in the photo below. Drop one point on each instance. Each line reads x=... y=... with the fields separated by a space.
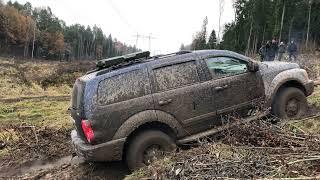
x=118 y=12
x=141 y=36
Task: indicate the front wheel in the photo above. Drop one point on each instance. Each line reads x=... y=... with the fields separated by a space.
x=148 y=146
x=290 y=103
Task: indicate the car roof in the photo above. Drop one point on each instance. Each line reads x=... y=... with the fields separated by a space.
x=160 y=60
x=206 y=53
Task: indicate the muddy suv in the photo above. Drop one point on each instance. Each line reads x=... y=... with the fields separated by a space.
x=136 y=107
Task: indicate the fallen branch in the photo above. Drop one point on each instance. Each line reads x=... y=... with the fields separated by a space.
x=304 y=160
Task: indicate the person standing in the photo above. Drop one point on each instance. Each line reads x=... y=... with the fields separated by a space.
x=281 y=51
x=292 y=50
x=271 y=50
x=262 y=52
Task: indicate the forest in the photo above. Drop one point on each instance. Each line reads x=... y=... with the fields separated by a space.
x=31 y=32
x=257 y=21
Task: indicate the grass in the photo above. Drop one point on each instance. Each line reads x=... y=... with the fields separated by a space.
x=33 y=79
x=310 y=125
x=19 y=80
x=41 y=113
x=152 y=171
x=314 y=99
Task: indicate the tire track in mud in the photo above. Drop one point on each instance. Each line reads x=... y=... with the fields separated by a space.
x=67 y=167
x=49 y=98
x=50 y=157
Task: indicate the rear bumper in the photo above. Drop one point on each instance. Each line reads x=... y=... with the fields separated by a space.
x=309 y=86
x=109 y=151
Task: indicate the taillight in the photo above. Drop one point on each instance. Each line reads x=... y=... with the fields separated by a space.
x=87 y=130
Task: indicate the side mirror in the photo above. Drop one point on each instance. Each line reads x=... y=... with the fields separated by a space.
x=253 y=66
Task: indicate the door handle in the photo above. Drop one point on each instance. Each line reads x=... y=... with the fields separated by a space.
x=220 y=88
x=165 y=102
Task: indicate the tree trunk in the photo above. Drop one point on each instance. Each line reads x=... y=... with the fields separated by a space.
x=264 y=31
x=276 y=19
x=308 y=30
x=249 y=39
x=34 y=37
x=283 y=12
x=290 y=28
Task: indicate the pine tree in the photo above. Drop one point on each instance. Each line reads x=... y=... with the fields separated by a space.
x=199 y=40
x=212 y=43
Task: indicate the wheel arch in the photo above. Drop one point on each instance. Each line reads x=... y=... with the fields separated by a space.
x=148 y=120
x=289 y=78
x=149 y=117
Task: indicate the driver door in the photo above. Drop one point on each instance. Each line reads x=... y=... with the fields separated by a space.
x=236 y=90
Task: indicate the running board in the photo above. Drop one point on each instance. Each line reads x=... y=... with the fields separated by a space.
x=219 y=129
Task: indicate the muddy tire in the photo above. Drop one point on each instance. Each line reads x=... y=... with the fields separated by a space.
x=290 y=103
x=145 y=144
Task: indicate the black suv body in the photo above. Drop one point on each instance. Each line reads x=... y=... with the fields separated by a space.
x=167 y=100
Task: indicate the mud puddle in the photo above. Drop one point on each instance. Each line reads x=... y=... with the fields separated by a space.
x=40 y=165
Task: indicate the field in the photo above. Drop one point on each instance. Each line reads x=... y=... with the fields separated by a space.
x=34 y=121
x=35 y=125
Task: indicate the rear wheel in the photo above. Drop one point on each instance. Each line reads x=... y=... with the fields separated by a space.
x=290 y=103
x=147 y=147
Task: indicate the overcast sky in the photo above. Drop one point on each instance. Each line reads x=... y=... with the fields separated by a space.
x=171 y=23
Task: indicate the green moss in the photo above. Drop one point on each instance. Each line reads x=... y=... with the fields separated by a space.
x=309 y=126
x=315 y=97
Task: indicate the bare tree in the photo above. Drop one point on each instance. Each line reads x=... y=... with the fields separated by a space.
x=221 y=9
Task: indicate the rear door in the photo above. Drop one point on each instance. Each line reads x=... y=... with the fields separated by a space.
x=178 y=90
x=235 y=89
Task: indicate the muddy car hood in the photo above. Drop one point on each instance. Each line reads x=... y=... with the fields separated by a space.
x=276 y=67
x=269 y=70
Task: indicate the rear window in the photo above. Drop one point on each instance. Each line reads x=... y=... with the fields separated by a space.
x=176 y=76
x=77 y=94
x=123 y=87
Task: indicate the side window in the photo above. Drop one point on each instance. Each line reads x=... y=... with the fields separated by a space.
x=225 y=66
x=175 y=76
x=123 y=87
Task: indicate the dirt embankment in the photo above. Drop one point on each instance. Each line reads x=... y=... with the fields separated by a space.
x=258 y=149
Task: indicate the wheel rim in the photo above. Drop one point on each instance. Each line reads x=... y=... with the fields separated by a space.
x=152 y=153
x=292 y=108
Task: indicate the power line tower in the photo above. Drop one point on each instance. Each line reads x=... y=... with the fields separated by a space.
x=140 y=36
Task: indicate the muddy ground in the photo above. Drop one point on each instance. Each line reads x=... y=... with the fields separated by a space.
x=35 y=128
x=47 y=154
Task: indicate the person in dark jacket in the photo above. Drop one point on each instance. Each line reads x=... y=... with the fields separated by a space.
x=271 y=50
x=262 y=52
x=292 y=50
x=281 y=50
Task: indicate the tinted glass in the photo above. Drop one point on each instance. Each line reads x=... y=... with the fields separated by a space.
x=175 y=76
x=225 y=66
x=123 y=87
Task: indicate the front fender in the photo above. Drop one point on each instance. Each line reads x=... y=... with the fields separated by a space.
x=148 y=116
x=298 y=75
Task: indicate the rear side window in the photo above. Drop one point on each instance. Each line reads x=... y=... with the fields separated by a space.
x=123 y=87
x=175 y=76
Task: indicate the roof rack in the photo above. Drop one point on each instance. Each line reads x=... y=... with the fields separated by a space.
x=171 y=54
x=129 y=58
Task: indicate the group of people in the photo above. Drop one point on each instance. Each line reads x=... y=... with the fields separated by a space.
x=271 y=49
